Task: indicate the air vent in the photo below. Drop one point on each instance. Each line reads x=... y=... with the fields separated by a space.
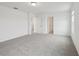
x=15 y=8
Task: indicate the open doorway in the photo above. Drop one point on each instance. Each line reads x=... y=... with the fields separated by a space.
x=33 y=29
x=33 y=24
x=50 y=24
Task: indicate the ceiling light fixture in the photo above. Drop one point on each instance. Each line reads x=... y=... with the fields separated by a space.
x=33 y=3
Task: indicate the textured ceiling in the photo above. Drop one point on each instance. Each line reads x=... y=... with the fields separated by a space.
x=43 y=7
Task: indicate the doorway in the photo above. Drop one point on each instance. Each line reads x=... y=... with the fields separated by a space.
x=33 y=29
x=33 y=24
x=50 y=24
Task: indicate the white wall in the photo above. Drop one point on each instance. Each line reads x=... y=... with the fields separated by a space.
x=75 y=33
x=13 y=23
x=62 y=23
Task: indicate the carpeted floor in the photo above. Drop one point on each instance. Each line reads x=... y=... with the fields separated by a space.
x=38 y=45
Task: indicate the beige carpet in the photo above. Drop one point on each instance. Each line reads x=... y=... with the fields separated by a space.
x=38 y=45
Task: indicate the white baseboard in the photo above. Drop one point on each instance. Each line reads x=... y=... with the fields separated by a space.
x=10 y=38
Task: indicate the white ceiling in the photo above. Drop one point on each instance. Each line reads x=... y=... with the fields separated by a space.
x=42 y=7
